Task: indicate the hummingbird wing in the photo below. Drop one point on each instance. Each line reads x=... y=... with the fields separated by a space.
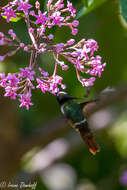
x=89 y=102
x=85 y=105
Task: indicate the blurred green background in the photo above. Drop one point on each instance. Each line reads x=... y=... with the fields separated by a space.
x=65 y=162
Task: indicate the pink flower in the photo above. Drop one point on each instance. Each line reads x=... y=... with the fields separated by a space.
x=59 y=47
x=78 y=65
x=97 y=66
x=9 y=13
x=44 y=73
x=51 y=85
x=25 y=100
x=88 y=82
x=50 y=2
x=27 y=73
x=92 y=46
x=74 y=31
x=81 y=55
x=54 y=82
x=24 y=6
x=41 y=30
x=57 y=19
x=2 y=58
x=11 y=91
x=22 y=45
x=59 y=4
x=3 y=80
x=12 y=79
x=12 y=34
x=37 y=5
x=32 y=13
x=75 y=23
x=42 y=85
x=1 y=35
x=71 y=9
x=70 y=42
x=41 y=18
x=123 y=178
x=26 y=48
x=50 y=36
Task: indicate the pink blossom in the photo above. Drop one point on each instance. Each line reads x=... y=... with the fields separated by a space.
x=25 y=100
x=11 y=91
x=12 y=79
x=1 y=35
x=50 y=36
x=92 y=45
x=31 y=30
x=56 y=18
x=22 y=45
x=32 y=13
x=62 y=64
x=75 y=23
x=71 y=9
x=9 y=13
x=24 y=6
x=44 y=73
x=26 y=48
x=78 y=65
x=123 y=178
x=88 y=82
x=97 y=66
x=70 y=42
x=50 y=2
x=3 y=42
x=3 y=80
x=59 y=47
x=27 y=73
x=74 y=31
x=59 y=4
x=42 y=85
x=41 y=30
x=41 y=18
x=37 y=5
x=55 y=81
x=2 y=58
x=12 y=34
x=80 y=55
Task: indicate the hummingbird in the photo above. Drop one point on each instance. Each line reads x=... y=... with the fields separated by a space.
x=73 y=112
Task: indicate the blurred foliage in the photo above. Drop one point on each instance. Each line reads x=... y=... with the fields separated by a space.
x=89 y=5
x=100 y=20
x=123 y=5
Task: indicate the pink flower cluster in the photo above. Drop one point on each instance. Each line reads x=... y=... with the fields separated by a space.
x=80 y=54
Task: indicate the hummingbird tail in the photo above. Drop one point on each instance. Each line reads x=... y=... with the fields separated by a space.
x=93 y=146
x=87 y=136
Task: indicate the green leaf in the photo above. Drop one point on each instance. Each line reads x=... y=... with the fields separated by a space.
x=92 y=4
x=12 y=19
x=19 y=16
x=85 y=2
x=123 y=6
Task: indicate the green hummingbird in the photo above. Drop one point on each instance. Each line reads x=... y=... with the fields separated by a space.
x=73 y=111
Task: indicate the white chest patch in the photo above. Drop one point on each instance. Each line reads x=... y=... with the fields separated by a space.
x=62 y=109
